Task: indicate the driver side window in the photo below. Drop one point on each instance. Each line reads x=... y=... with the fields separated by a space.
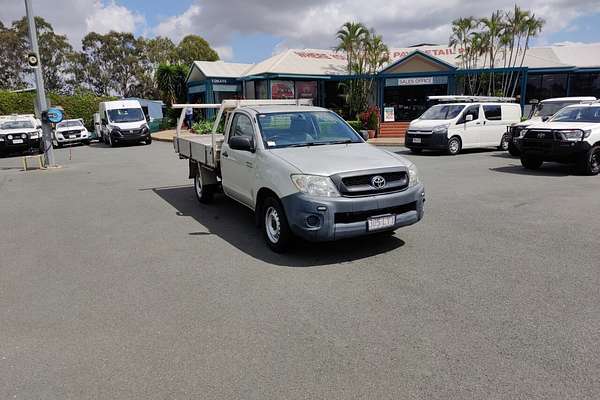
x=471 y=110
x=241 y=126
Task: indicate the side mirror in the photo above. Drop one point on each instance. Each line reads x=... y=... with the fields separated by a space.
x=469 y=117
x=243 y=143
x=545 y=118
x=364 y=134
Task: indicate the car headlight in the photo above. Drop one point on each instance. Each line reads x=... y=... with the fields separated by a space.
x=34 y=135
x=522 y=133
x=315 y=185
x=573 y=135
x=413 y=176
x=440 y=129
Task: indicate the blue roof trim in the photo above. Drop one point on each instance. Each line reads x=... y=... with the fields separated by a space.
x=418 y=53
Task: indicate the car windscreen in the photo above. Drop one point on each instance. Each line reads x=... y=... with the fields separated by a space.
x=69 y=124
x=17 y=125
x=443 y=111
x=550 y=108
x=578 y=114
x=126 y=115
x=294 y=129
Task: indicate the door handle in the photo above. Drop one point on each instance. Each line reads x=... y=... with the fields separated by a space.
x=477 y=123
x=224 y=154
x=249 y=164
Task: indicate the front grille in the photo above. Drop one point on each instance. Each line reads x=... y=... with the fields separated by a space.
x=130 y=131
x=361 y=216
x=418 y=132
x=360 y=184
x=540 y=135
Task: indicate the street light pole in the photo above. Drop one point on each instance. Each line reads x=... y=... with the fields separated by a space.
x=39 y=84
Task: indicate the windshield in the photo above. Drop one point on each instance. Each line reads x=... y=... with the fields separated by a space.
x=443 y=111
x=305 y=129
x=126 y=115
x=17 y=125
x=69 y=124
x=550 y=108
x=578 y=114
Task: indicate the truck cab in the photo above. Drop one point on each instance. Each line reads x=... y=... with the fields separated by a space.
x=123 y=121
x=542 y=112
x=572 y=135
x=306 y=173
x=453 y=126
x=20 y=133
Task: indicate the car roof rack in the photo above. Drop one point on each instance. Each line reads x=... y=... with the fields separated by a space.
x=471 y=99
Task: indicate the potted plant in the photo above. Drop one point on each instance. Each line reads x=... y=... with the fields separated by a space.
x=370 y=120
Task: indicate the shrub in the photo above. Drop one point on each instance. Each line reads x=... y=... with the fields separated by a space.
x=357 y=125
x=370 y=118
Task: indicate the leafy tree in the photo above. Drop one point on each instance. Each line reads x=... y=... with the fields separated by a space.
x=55 y=53
x=160 y=50
x=194 y=48
x=12 y=61
x=170 y=80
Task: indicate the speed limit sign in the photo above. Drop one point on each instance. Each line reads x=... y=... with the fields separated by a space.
x=32 y=60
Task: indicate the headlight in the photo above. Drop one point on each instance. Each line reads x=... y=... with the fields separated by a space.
x=573 y=135
x=440 y=129
x=315 y=185
x=23 y=136
x=522 y=133
x=10 y=137
x=34 y=135
x=413 y=176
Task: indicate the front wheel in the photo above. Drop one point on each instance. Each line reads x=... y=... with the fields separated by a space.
x=276 y=230
x=531 y=162
x=454 y=146
x=148 y=141
x=589 y=163
x=513 y=150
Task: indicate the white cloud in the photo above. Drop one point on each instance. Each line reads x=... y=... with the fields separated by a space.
x=106 y=17
x=225 y=52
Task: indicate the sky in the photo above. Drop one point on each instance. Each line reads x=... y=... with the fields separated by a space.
x=252 y=30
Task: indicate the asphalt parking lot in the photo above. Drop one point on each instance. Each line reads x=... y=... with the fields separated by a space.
x=116 y=284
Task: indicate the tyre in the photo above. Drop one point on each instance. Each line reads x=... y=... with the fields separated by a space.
x=110 y=142
x=276 y=230
x=416 y=151
x=204 y=193
x=504 y=143
x=531 y=162
x=454 y=146
x=86 y=142
x=513 y=150
x=149 y=140
x=589 y=163
x=101 y=138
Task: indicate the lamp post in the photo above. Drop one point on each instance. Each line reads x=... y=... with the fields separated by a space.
x=35 y=62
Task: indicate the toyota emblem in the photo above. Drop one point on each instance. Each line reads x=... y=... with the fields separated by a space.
x=541 y=135
x=378 y=182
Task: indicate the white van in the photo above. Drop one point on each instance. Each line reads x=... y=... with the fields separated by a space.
x=455 y=126
x=123 y=121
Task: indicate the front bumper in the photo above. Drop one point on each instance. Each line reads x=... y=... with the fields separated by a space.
x=130 y=137
x=552 y=150
x=8 y=146
x=433 y=141
x=65 y=140
x=345 y=217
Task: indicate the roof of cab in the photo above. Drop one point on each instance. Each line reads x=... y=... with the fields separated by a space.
x=561 y=99
x=283 y=109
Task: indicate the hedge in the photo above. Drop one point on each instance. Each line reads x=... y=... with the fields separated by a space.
x=357 y=125
x=81 y=105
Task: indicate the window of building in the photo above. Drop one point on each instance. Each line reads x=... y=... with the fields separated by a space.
x=261 y=90
x=492 y=112
x=587 y=84
x=306 y=90
x=545 y=86
x=249 y=90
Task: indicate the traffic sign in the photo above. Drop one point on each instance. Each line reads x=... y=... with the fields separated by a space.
x=53 y=115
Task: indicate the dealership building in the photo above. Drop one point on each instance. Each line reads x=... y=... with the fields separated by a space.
x=401 y=87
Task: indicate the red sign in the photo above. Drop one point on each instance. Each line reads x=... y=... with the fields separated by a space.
x=306 y=90
x=282 y=89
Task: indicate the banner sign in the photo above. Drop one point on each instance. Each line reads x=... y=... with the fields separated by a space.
x=306 y=90
x=388 y=114
x=282 y=89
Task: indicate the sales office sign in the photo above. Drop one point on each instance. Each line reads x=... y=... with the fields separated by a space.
x=427 y=80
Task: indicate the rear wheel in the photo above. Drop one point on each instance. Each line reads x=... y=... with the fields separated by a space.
x=454 y=146
x=276 y=230
x=504 y=143
x=589 y=164
x=204 y=193
x=532 y=163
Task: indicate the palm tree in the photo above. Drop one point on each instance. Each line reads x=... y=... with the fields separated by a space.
x=533 y=28
x=350 y=37
x=461 y=31
x=516 y=27
x=494 y=27
x=170 y=79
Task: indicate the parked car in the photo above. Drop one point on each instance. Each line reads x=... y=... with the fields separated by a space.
x=123 y=121
x=304 y=172
x=455 y=126
x=70 y=131
x=20 y=134
x=542 y=112
x=572 y=135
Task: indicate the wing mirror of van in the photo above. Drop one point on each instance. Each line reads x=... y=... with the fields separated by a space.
x=243 y=143
x=469 y=117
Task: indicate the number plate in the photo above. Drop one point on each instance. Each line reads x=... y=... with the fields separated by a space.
x=416 y=140
x=377 y=223
x=17 y=141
